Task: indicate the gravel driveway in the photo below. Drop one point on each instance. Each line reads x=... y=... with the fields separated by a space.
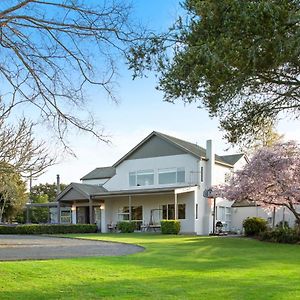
x=20 y=247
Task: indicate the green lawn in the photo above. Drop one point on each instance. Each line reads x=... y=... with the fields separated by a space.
x=172 y=267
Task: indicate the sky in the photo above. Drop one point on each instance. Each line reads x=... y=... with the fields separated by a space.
x=141 y=110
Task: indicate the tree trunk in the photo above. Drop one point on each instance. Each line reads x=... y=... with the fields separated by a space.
x=291 y=207
x=2 y=210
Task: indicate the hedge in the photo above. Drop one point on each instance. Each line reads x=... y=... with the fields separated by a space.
x=47 y=228
x=170 y=226
x=126 y=227
x=280 y=235
x=254 y=225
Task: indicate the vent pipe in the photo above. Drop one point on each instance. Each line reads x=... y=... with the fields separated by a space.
x=57 y=184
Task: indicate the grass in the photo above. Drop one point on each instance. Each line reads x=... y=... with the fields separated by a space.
x=172 y=267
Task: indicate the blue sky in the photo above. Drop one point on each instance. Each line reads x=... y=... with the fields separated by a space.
x=140 y=111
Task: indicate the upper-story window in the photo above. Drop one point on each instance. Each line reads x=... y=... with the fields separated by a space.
x=141 y=178
x=228 y=176
x=174 y=175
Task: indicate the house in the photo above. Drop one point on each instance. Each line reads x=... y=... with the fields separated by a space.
x=162 y=177
x=242 y=210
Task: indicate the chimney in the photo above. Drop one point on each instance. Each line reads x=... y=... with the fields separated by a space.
x=210 y=156
x=57 y=184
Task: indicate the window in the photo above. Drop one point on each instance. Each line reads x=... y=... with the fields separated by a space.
x=225 y=216
x=174 y=175
x=136 y=213
x=227 y=177
x=181 y=211
x=66 y=216
x=168 y=211
x=141 y=178
x=201 y=174
x=221 y=215
x=196 y=210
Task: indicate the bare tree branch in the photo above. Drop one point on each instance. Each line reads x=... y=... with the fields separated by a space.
x=53 y=51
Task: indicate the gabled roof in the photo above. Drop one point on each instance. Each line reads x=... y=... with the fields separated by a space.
x=233 y=158
x=100 y=173
x=186 y=146
x=86 y=190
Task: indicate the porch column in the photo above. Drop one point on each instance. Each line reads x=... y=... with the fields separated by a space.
x=129 y=207
x=58 y=212
x=73 y=209
x=175 y=207
x=91 y=210
x=103 y=221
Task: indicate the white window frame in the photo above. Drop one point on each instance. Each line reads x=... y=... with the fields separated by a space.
x=141 y=172
x=171 y=170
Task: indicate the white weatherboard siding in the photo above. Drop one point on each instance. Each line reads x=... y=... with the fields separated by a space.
x=220 y=173
x=168 y=156
x=239 y=214
x=240 y=164
x=121 y=180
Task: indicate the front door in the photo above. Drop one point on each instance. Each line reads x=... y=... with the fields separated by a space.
x=82 y=215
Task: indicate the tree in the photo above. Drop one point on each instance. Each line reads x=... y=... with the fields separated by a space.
x=38 y=214
x=12 y=193
x=18 y=150
x=271 y=179
x=42 y=193
x=239 y=58
x=266 y=137
x=53 y=51
x=48 y=190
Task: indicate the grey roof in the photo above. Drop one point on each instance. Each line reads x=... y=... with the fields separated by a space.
x=94 y=191
x=233 y=158
x=84 y=189
x=89 y=188
x=100 y=173
x=191 y=148
x=140 y=191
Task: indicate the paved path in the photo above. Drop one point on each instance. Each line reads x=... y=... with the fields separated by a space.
x=20 y=247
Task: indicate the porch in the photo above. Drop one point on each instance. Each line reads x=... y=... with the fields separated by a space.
x=145 y=207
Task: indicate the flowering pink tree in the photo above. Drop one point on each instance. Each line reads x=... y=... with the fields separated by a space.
x=271 y=179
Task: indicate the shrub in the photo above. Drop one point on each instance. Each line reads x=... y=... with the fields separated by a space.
x=126 y=227
x=254 y=225
x=280 y=235
x=48 y=228
x=170 y=226
x=283 y=224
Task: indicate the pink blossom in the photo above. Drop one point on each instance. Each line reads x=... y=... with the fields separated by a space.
x=271 y=179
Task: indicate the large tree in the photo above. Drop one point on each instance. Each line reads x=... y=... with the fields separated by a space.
x=271 y=179
x=53 y=51
x=12 y=193
x=19 y=150
x=239 y=59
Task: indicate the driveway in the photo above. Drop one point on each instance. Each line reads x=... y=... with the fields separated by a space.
x=22 y=247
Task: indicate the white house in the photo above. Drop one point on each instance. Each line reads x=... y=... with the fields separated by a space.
x=161 y=178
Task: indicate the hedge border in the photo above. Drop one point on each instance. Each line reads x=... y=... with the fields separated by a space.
x=48 y=228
